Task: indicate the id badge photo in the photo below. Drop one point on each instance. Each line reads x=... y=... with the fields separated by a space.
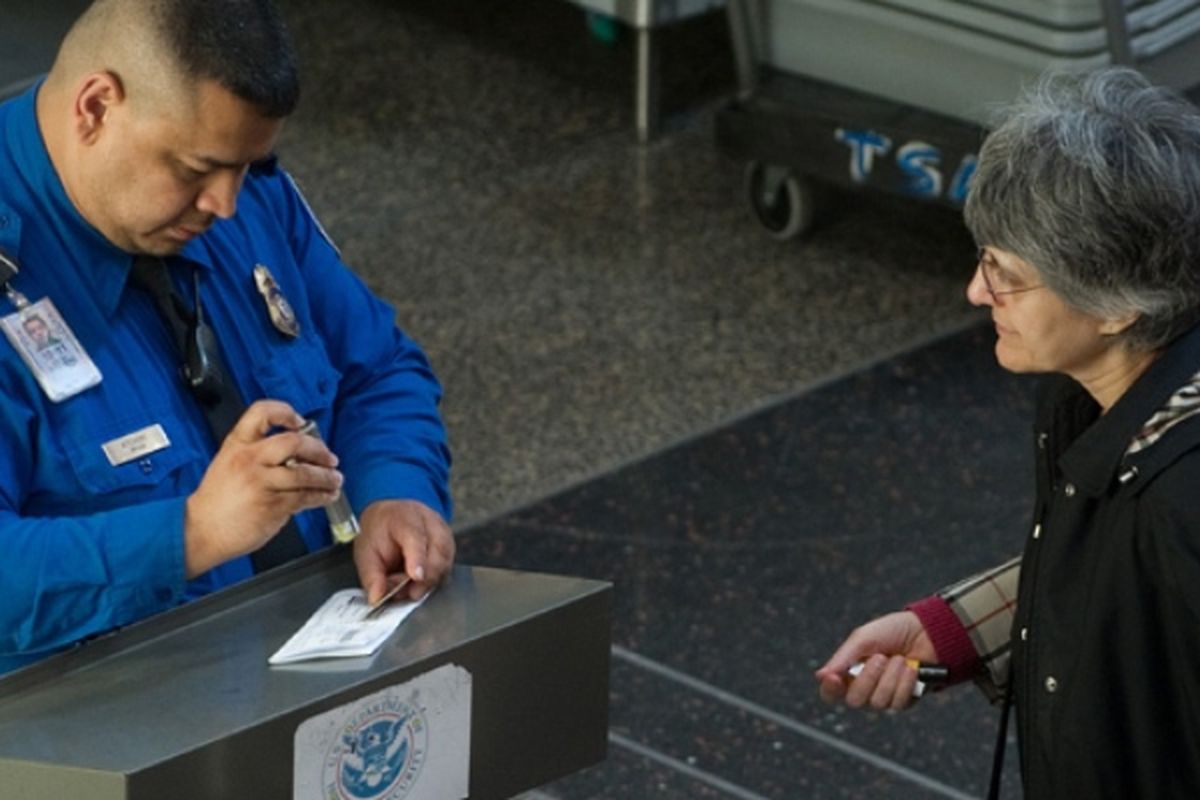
x=49 y=348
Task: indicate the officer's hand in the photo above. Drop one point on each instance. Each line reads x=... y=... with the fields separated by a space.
x=402 y=536
x=883 y=644
x=254 y=484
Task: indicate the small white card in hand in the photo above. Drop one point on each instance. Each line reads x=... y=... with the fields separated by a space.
x=340 y=629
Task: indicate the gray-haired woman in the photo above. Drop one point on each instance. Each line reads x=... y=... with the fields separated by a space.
x=1086 y=204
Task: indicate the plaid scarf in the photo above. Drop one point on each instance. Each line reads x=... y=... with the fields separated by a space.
x=1183 y=404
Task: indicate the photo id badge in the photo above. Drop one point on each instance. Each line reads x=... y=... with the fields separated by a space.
x=50 y=350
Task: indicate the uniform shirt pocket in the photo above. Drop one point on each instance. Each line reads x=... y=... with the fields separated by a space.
x=99 y=476
x=300 y=374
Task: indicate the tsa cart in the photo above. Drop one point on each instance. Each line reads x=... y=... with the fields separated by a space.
x=896 y=94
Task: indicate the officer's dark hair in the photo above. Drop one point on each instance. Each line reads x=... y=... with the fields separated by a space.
x=243 y=45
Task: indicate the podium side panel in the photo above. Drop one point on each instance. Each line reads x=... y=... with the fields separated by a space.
x=540 y=709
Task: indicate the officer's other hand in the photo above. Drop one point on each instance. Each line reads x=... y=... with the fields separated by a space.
x=402 y=536
x=257 y=480
x=881 y=645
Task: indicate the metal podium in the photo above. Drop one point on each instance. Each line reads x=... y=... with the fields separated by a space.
x=184 y=706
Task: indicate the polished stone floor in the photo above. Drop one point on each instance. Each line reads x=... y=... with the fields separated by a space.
x=759 y=443
x=740 y=559
x=586 y=300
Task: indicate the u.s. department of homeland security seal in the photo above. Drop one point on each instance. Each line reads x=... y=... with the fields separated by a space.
x=410 y=741
x=379 y=753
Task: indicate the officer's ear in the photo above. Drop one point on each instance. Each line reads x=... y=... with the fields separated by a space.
x=99 y=93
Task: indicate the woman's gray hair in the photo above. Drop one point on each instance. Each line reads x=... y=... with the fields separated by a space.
x=1095 y=181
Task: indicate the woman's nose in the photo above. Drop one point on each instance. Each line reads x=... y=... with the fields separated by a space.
x=977 y=290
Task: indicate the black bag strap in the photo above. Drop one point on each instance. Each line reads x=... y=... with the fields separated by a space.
x=1001 y=740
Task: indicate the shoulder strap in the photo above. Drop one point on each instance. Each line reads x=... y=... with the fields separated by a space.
x=1001 y=740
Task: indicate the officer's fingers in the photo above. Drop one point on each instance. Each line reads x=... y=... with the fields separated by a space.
x=440 y=548
x=290 y=447
x=300 y=476
x=263 y=415
x=304 y=499
x=372 y=567
x=414 y=543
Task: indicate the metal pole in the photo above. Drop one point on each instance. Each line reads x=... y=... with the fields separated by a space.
x=647 y=84
x=743 y=46
x=1116 y=21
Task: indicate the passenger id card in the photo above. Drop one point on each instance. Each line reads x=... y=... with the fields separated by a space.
x=48 y=347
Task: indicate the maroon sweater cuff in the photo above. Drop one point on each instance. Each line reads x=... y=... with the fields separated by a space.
x=950 y=640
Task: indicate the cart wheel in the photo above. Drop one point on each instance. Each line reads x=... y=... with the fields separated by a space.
x=782 y=202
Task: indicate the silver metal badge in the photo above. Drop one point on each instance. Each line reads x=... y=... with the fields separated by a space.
x=279 y=309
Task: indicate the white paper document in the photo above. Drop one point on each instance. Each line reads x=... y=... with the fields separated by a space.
x=340 y=629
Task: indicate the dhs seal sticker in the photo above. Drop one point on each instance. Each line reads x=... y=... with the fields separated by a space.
x=407 y=742
x=379 y=755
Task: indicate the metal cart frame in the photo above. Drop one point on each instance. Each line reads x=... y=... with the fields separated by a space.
x=789 y=128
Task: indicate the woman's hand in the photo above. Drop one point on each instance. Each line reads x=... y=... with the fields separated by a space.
x=883 y=646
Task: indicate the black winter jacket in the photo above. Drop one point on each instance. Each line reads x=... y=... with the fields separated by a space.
x=1106 y=642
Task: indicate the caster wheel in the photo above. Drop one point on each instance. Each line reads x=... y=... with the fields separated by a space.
x=780 y=201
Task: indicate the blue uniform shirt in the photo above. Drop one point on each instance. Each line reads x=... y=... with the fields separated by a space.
x=86 y=546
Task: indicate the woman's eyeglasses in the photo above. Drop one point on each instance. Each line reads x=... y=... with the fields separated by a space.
x=994 y=277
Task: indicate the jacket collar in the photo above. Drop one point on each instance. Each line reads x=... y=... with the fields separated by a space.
x=1093 y=459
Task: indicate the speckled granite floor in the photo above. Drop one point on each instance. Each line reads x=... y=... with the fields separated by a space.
x=759 y=443
x=585 y=300
x=741 y=558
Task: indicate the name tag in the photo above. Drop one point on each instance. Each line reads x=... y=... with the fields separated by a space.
x=134 y=445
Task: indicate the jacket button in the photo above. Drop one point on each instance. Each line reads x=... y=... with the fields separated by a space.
x=1069 y=490
x=1024 y=634
x=1042 y=438
x=1051 y=684
x=1037 y=531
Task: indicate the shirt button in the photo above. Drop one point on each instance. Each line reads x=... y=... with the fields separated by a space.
x=147 y=466
x=1042 y=438
x=1051 y=684
x=1024 y=634
x=1069 y=490
x=1037 y=531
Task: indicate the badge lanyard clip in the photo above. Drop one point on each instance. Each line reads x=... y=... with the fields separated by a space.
x=8 y=271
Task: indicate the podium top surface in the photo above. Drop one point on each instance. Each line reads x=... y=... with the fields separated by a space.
x=198 y=674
